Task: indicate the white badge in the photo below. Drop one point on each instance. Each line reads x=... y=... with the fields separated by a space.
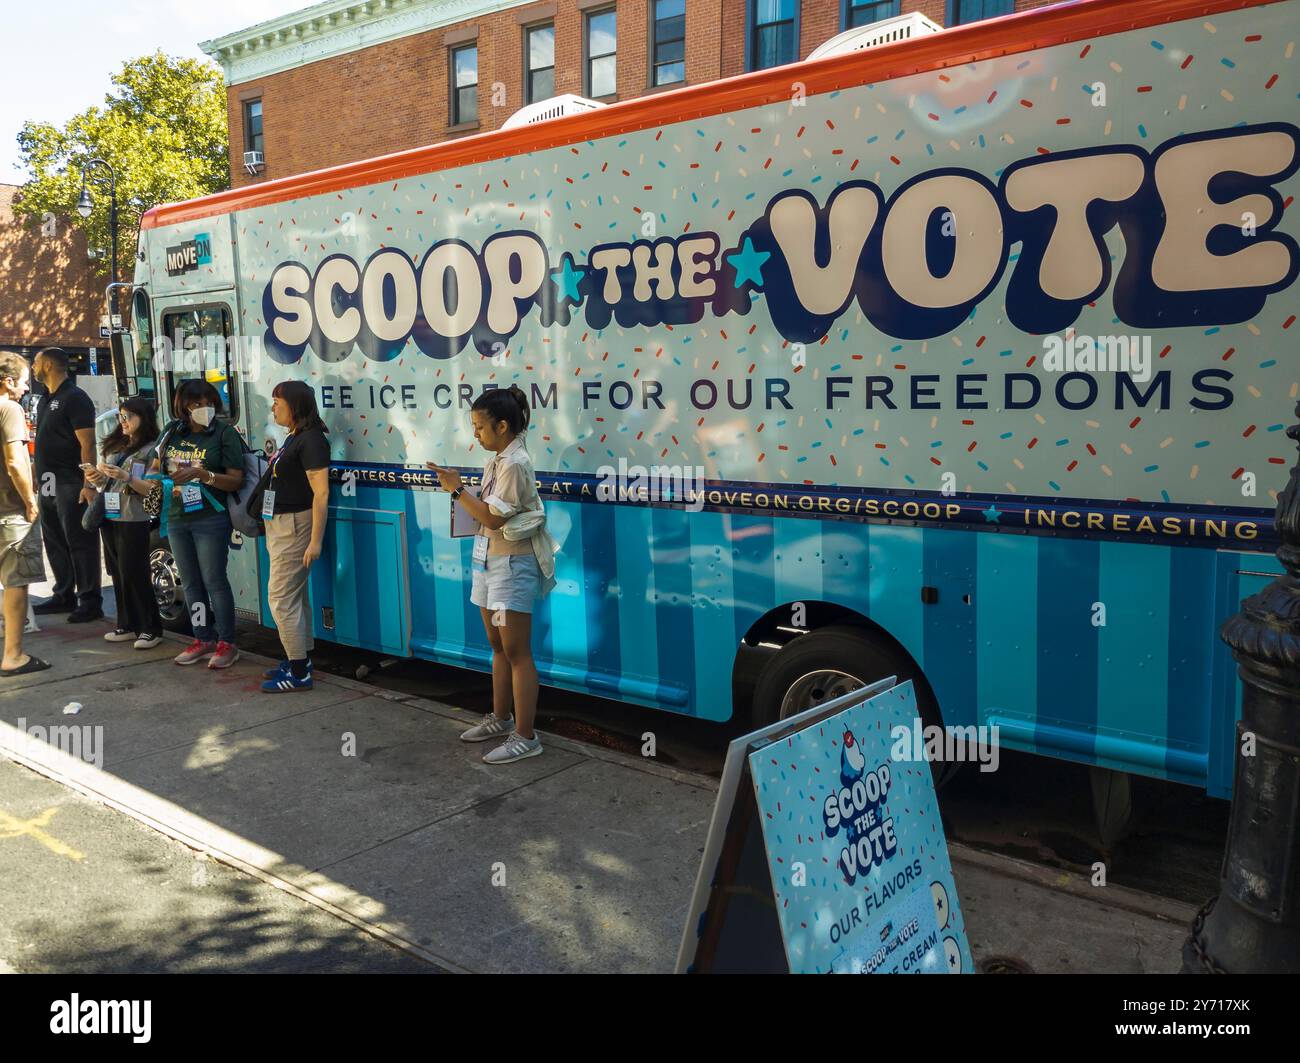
x=480 y=550
x=191 y=497
x=112 y=503
x=268 y=505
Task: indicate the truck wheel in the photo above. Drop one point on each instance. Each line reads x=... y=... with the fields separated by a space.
x=823 y=665
x=166 y=580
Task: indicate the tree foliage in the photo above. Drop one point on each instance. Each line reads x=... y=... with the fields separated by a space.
x=162 y=129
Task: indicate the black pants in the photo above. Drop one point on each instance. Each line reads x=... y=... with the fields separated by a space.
x=126 y=547
x=73 y=551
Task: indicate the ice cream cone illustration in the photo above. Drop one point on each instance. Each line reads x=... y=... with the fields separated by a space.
x=852 y=762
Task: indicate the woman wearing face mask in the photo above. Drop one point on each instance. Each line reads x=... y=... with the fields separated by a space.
x=125 y=530
x=293 y=498
x=204 y=458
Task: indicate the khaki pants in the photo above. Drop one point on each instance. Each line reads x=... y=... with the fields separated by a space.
x=287 y=537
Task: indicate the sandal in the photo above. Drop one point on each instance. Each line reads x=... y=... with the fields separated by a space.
x=34 y=664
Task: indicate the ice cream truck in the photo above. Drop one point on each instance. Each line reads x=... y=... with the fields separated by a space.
x=966 y=357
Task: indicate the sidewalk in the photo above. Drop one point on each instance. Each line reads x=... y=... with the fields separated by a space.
x=581 y=859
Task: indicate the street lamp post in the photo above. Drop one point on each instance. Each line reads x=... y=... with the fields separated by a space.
x=84 y=208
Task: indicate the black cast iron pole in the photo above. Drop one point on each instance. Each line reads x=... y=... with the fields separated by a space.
x=1253 y=925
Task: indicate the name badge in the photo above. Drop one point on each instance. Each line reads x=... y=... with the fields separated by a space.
x=191 y=497
x=268 y=505
x=480 y=553
x=112 y=504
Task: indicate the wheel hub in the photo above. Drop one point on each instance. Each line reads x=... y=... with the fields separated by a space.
x=816 y=688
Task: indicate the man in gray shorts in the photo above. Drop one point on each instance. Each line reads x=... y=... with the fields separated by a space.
x=21 y=562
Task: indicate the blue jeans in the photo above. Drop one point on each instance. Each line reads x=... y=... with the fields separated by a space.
x=200 y=546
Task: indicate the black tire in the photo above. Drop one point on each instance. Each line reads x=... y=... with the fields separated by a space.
x=850 y=652
x=167 y=586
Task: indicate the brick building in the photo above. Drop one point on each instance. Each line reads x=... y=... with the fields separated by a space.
x=49 y=293
x=352 y=79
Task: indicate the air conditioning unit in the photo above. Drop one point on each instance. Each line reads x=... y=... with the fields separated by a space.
x=253 y=161
x=886 y=31
x=555 y=107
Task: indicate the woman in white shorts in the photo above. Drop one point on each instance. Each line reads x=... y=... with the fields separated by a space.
x=514 y=566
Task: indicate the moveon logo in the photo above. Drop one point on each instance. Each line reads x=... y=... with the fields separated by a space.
x=102 y=1016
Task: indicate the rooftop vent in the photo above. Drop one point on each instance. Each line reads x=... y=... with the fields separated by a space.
x=555 y=107
x=886 y=31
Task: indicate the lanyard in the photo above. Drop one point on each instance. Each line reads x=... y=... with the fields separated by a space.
x=275 y=460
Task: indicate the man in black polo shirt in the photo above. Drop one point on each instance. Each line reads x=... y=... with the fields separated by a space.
x=65 y=439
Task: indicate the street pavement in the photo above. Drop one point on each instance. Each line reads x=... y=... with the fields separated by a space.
x=364 y=806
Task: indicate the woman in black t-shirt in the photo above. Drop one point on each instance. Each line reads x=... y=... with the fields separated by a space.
x=293 y=498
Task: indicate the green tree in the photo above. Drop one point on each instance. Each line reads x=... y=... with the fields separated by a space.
x=162 y=129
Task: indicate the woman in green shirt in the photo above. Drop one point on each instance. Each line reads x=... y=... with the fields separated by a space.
x=203 y=456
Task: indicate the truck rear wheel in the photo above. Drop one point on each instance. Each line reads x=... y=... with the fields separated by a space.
x=832 y=661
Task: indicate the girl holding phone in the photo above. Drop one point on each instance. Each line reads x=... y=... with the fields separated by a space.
x=510 y=571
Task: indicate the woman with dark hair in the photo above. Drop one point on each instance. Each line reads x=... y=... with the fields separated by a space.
x=514 y=565
x=293 y=498
x=125 y=530
x=203 y=456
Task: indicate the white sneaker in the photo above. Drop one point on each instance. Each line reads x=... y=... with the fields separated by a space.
x=516 y=747
x=147 y=642
x=489 y=727
x=119 y=635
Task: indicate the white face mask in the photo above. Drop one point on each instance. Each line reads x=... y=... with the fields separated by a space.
x=203 y=415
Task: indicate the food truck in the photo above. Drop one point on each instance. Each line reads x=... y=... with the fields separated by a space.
x=966 y=357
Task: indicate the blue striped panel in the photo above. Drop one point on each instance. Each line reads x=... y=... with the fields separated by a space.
x=1006 y=626
x=754 y=576
x=475 y=637
x=1192 y=647
x=715 y=643
x=566 y=638
x=600 y=564
x=450 y=585
x=637 y=632
x=345 y=601
x=847 y=569
x=670 y=545
x=897 y=556
x=798 y=570
x=1067 y=647
x=949 y=664
x=421 y=511
x=1133 y=647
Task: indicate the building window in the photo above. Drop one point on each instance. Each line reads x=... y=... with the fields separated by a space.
x=963 y=11
x=600 y=44
x=772 y=39
x=668 y=50
x=865 y=12
x=253 y=125
x=539 y=63
x=464 y=84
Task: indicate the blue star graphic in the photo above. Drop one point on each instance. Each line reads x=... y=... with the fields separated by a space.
x=748 y=264
x=992 y=514
x=569 y=280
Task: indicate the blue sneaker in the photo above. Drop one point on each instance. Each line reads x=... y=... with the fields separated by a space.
x=286 y=682
x=274 y=673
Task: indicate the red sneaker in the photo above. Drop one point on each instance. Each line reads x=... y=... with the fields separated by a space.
x=194 y=652
x=226 y=655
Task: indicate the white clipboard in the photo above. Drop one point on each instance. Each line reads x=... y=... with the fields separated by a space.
x=462 y=524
